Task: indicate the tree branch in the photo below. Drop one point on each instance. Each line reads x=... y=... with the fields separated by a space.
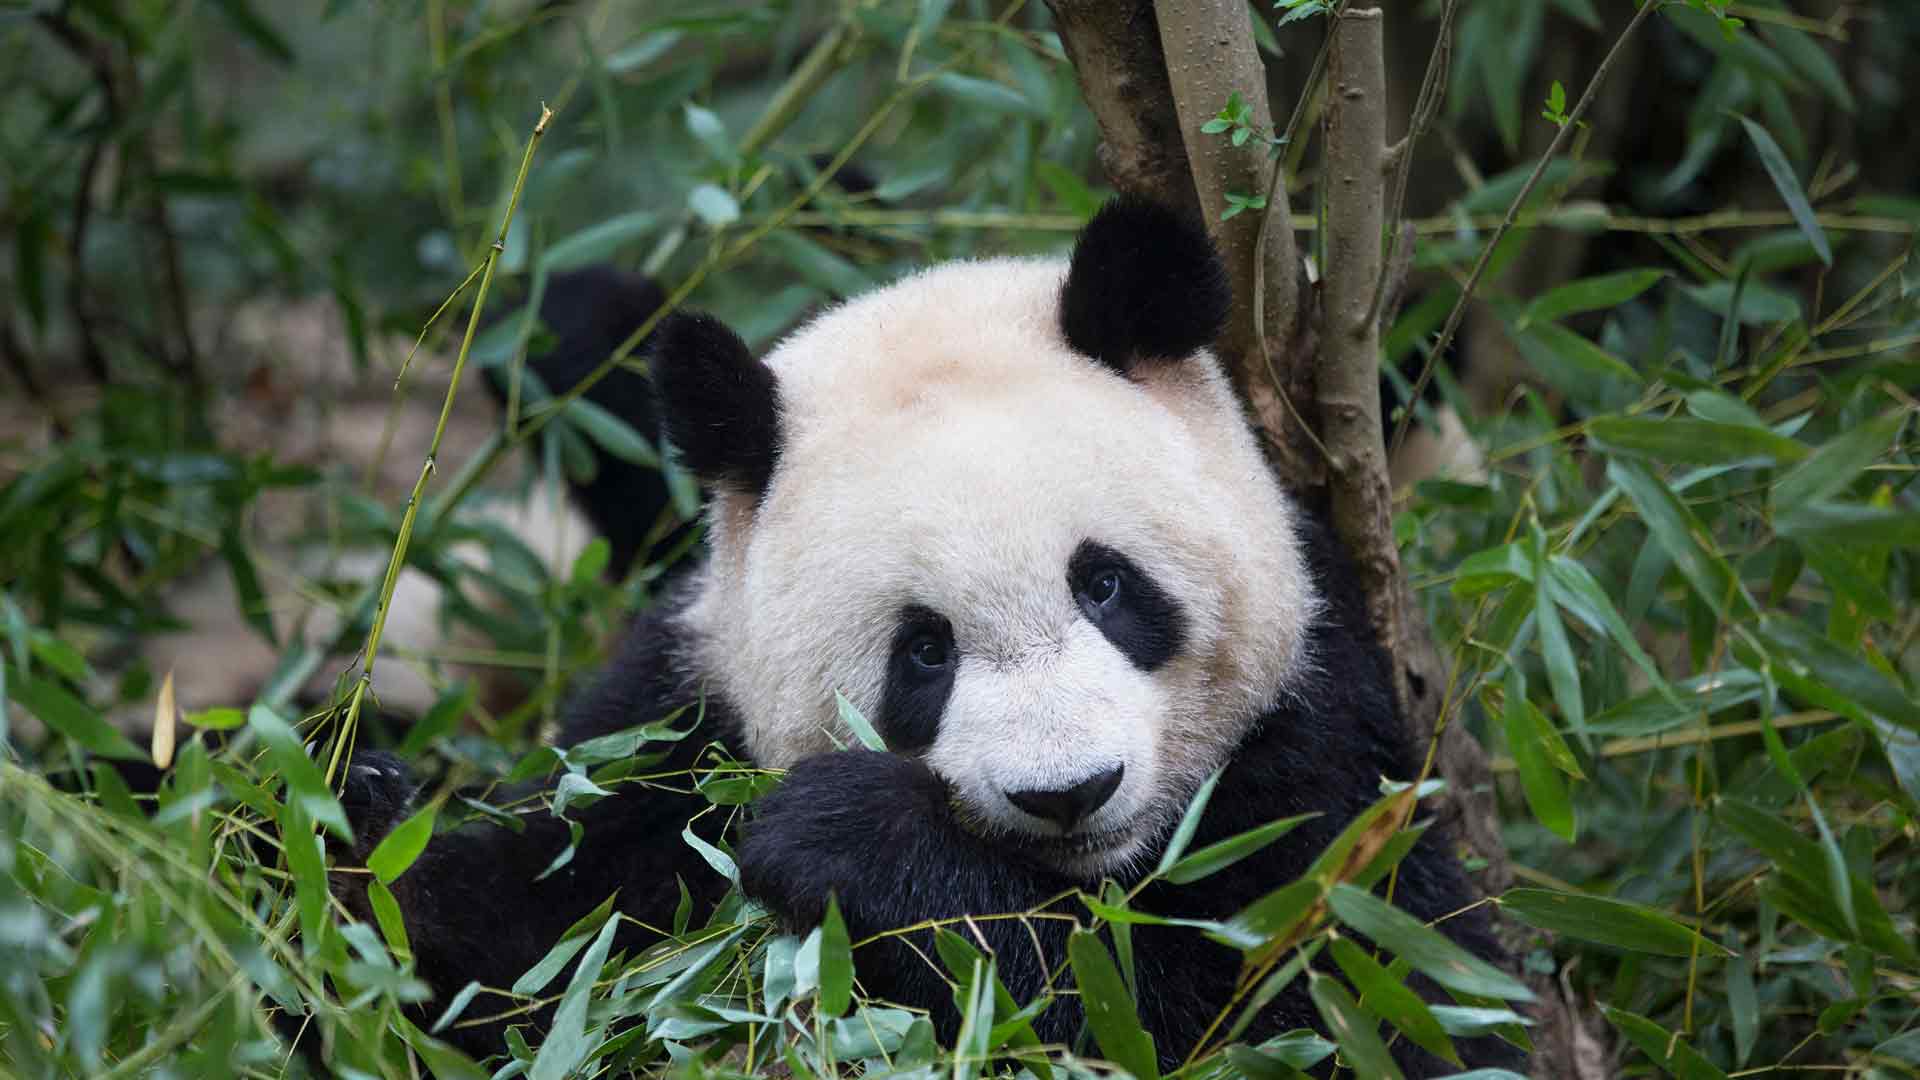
x=1210 y=56
x=1114 y=46
x=1360 y=496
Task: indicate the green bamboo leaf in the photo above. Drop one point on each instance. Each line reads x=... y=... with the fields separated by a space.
x=1743 y=1004
x=568 y=1039
x=1806 y=56
x=1589 y=294
x=598 y=242
x=836 y=961
x=386 y=914
x=256 y=29
x=1563 y=671
x=1494 y=568
x=1585 y=372
x=1671 y=1054
x=1693 y=442
x=988 y=96
x=1387 y=996
x=1675 y=529
x=612 y=433
x=1606 y=921
x=305 y=783
x=1839 y=670
x=1545 y=787
x=399 y=848
x=307 y=862
x=1468 y=1021
x=976 y=1013
x=710 y=131
x=1189 y=824
x=535 y=979
x=68 y=715
x=1427 y=949
x=1722 y=408
x=857 y=723
x=1218 y=856
x=1109 y=1008
x=713 y=205
x=1577 y=590
x=457 y=1006
x=443 y=1061
x=1788 y=184
x=246 y=584
x=1351 y=1027
x=1853 y=524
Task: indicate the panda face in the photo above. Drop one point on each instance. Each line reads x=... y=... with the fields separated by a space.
x=1070 y=590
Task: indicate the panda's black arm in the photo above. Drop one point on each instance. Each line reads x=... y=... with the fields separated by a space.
x=877 y=832
x=474 y=902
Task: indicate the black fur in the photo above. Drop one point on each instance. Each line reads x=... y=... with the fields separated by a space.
x=1141 y=620
x=1145 y=284
x=722 y=407
x=590 y=312
x=915 y=697
x=878 y=831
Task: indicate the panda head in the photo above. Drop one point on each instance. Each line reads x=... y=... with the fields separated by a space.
x=1011 y=509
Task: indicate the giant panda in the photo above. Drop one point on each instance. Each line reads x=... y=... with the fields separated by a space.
x=1012 y=511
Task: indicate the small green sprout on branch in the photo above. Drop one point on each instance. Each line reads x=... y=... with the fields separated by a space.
x=1729 y=25
x=1302 y=9
x=1556 y=110
x=1236 y=121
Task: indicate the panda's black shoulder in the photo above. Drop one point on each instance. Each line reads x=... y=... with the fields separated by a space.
x=650 y=676
x=1342 y=643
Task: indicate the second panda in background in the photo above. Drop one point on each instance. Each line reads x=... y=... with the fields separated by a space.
x=1012 y=510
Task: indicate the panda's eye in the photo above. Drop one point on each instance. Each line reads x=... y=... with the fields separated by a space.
x=1101 y=588
x=928 y=652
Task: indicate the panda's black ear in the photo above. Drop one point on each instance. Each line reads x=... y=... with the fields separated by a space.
x=720 y=404
x=1145 y=284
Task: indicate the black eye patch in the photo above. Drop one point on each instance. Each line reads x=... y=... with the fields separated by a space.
x=1127 y=605
x=920 y=666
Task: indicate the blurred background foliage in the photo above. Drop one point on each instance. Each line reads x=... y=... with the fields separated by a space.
x=1672 y=560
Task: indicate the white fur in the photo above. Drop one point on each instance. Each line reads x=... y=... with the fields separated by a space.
x=943 y=446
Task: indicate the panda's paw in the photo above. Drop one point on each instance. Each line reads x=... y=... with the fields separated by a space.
x=838 y=825
x=377 y=795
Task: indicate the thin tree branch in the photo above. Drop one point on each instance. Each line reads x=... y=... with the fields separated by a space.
x=1433 y=91
x=1114 y=46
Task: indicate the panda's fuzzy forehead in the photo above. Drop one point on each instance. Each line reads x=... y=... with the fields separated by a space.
x=942 y=446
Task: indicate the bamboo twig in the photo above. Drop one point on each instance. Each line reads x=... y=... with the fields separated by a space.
x=343 y=738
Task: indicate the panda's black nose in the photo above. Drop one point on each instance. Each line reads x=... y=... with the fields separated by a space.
x=1068 y=806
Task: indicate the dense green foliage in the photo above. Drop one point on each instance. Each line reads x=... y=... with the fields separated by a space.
x=1678 y=598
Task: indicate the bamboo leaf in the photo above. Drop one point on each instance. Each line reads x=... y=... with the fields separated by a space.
x=1671 y=1054
x=1427 y=949
x=1788 y=184
x=1589 y=294
x=1189 y=824
x=1388 y=997
x=1351 y=1027
x=1693 y=442
x=1606 y=921
x=1109 y=1008
x=1218 y=856
x=836 y=961
x=1545 y=787
x=399 y=848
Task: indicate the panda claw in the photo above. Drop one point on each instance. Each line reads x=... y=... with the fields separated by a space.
x=377 y=795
